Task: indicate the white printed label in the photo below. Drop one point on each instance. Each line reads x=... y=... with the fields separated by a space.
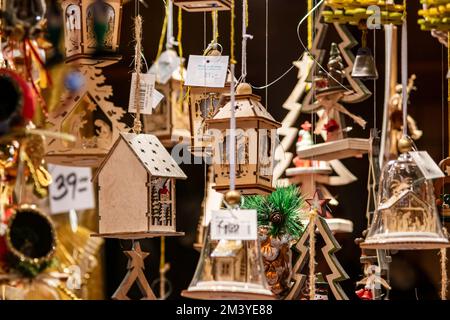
x=427 y=165
x=146 y=100
x=207 y=71
x=233 y=225
x=71 y=189
x=157 y=97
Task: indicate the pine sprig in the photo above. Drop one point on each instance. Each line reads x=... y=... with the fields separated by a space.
x=279 y=211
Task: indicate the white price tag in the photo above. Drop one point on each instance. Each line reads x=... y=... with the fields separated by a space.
x=146 y=93
x=156 y=98
x=427 y=165
x=236 y=225
x=207 y=71
x=71 y=189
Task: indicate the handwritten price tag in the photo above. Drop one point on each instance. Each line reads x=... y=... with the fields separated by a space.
x=207 y=71
x=71 y=189
x=236 y=225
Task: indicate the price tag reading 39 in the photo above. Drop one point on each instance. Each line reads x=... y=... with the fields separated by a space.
x=233 y=225
x=71 y=189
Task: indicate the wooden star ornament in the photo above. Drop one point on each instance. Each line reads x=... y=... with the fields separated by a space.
x=319 y=203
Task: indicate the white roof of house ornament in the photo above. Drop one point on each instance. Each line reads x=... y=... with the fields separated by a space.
x=151 y=154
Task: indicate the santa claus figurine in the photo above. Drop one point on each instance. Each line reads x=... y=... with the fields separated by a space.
x=304 y=140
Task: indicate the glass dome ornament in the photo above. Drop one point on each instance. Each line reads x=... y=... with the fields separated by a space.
x=406 y=217
x=229 y=269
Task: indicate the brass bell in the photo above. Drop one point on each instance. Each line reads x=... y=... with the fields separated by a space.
x=364 y=66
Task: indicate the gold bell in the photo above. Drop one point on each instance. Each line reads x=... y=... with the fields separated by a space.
x=364 y=66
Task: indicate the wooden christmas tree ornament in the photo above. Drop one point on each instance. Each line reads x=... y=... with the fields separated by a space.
x=92 y=29
x=90 y=117
x=256 y=138
x=203 y=5
x=136 y=189
x=135 y=273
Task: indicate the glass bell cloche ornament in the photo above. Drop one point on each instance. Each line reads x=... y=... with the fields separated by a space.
x=229 y=269
x=406 y=216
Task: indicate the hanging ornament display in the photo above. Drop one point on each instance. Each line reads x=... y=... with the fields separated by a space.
x=307 y=251
x=28 y=258
x=355 y=11
x=435 y=15
x=23 y=18
x=148 y=172
x=92 y=29
x=229 y=269
x=364 y=66
x=169 y=120
x=255 y=145
x=279 y=227
x=406 y=216
x=203 y=5
x=135 y=274
x=17 y=104
x=90 y=117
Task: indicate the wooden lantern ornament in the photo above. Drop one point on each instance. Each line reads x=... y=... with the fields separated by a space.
x=92 y=27
x=170 y=119
x=204 y=102
x=203 y=5
x=256 y=138
x=136 y=188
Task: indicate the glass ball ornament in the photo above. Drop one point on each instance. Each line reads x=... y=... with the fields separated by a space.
x=74 y=81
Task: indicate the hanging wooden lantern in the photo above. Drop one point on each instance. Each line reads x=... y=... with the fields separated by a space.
x=170 y=119
x=203 y=5
x=90 y=117
x=92 y=28
x=136 y=189
x=256 y=138
x=203 y=105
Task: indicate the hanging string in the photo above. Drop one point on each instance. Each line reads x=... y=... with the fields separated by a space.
x=162 y=269
x=215 y=26
x=180 y=53
x=232 y=32
x=245 y=38
x=137 y=126
x=404 y=60
x=375 y=81
x=163 y=32
x=312 y=253
x=310 y=25
x=266 y=93
x=232 y=144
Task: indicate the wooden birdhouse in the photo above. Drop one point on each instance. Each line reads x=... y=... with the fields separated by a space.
x=90 y=117
x=203 y=5
x=256 y=138
x=170 y=119
x=91 y=27
x=136 y=189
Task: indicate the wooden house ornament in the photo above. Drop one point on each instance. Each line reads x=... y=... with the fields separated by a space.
x=82 y=39
x=170 y=119
x=90 y=117
x=136 y=189
x=256 y=138
x=203 y=5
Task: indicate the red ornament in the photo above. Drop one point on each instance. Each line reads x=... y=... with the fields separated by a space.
x=19 y=100
x=364 y=294
x=331 y=126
